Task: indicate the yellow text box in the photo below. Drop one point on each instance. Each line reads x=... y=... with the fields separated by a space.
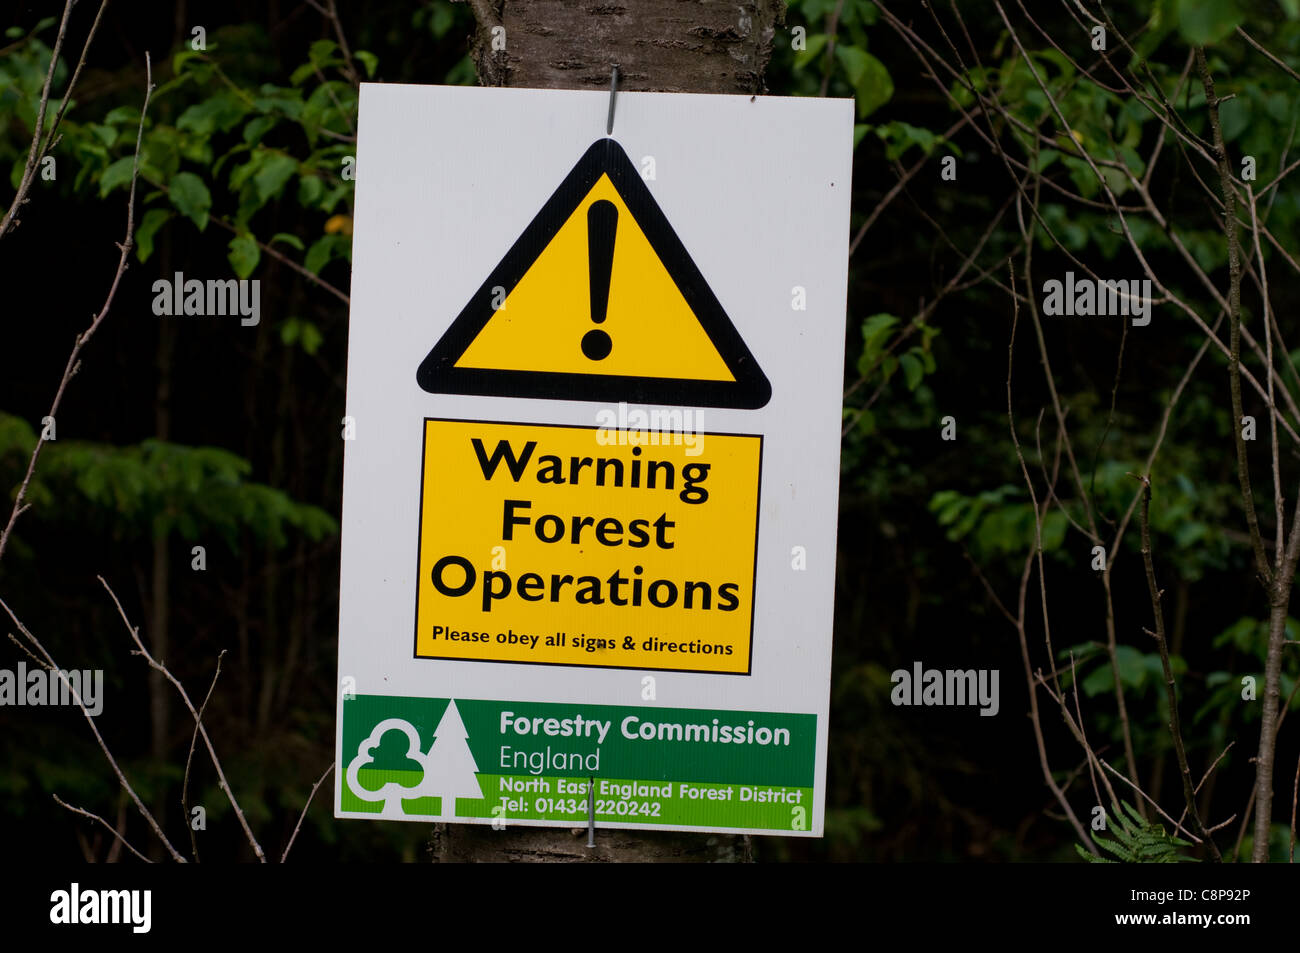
x=587 y=546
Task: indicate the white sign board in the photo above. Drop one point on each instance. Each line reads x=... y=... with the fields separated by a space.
x=592 y=461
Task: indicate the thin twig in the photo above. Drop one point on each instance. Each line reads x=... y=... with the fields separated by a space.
x=1251 y=40
x=1229 y=197
x=1178 y=827
x=1272 y=405
x=194 y=739
x=1036 y=551
x=319 y=781
x=331 y=13
x=70 y=368
x=1205 y=777
x=212 y=753
x=284 y=259
x=832 y=28
x=90 y=720
x=1295 y=789
x=1175 y=728
x=33 y=153
x=111 y=829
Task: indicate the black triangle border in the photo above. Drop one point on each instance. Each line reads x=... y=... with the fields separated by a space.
x=437 y=373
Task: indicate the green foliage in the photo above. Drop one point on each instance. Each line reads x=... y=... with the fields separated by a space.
x=872 y=85
x=850 y=69
x=900 y=137
x=303 y=333
x=238 y=144
x=159 y=488
x=191 y=198
x=880 y=359
x=1138 y=671
x=997 y=523
x=1202 y=22
x=1136 y=841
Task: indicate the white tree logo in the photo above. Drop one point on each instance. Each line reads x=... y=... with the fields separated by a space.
x=449 y=766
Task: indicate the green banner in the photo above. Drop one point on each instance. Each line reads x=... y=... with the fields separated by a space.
x=648 y=766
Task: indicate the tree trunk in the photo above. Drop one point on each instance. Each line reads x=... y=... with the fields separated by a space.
x=1268 y=724
x=691 y=46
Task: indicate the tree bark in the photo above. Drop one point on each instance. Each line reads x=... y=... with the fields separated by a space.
x=688 y=46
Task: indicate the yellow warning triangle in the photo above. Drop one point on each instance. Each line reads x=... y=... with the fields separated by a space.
x=597 y=300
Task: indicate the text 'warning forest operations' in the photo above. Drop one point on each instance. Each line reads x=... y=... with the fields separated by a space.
x=587 y=546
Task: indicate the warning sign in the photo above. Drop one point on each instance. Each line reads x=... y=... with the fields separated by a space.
x=598 y=300
x=591 y=469
x=577 y=546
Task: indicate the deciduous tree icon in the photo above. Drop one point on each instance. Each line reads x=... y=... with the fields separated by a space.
x=391 y=792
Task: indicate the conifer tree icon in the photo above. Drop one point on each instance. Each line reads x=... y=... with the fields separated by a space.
x=449 y=768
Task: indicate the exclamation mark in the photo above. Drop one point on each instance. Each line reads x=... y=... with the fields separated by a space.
x=602 y=224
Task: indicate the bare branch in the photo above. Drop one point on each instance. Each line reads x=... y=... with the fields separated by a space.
x=90 y=720
x=194 y=739
x=111 y=829
x=70 y=368
x=1175 y=728
x=203 y=732
x=293 y=836
x=33 y=153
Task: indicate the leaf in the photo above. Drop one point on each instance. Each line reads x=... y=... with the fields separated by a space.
x=324 y=250
x=311 y=337
x=368 y=60
x=153 y=220
x=216 y=113
x=161 y=155
x=181 y=58
x=243 y=254
x=442 y=19
x=1202 y=22
x=272 y=175
x=871 y=82
x=1044 y=159
x=257 y=128
x=122 y=114
x=322 y=51
x=913 y=370
x=310 y=190
x=288 y=239
x=1132 y=671
x=814 y=44
x=191 y=198
x=874 y=331
x=302 y=332
x=299 y=76
x=1235 y=116
x=119 y=173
